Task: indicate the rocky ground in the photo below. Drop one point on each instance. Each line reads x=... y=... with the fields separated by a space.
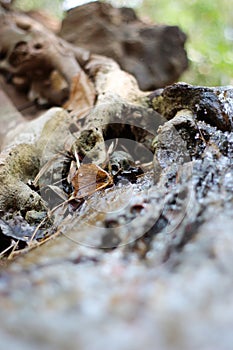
x=116 y=207
x=145 y=263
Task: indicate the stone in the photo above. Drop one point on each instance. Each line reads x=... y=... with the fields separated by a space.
x=154 y=54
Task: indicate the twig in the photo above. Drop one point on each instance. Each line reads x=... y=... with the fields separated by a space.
x=13 y=250
x=8 y=248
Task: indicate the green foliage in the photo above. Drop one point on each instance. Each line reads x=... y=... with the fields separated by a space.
x=209 y=26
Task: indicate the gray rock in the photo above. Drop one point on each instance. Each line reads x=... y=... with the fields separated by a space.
x=154 y=54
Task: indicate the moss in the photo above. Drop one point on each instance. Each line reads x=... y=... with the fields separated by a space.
x=23 y=162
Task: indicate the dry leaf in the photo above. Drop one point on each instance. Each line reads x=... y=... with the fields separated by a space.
x=88 y=179
x=82 y=95
x=58 y=191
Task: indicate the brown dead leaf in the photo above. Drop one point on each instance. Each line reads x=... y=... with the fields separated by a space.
x=82 y=95
x=88 y=179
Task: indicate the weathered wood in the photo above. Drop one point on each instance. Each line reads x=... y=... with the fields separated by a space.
x=37 y=60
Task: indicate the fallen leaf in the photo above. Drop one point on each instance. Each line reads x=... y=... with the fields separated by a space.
x=82 y=95
x=58 y=191
x=88 y=179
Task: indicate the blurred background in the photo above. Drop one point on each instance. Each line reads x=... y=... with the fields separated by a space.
x=208 y=25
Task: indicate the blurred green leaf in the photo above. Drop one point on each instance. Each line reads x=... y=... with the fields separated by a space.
x=209 y=26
